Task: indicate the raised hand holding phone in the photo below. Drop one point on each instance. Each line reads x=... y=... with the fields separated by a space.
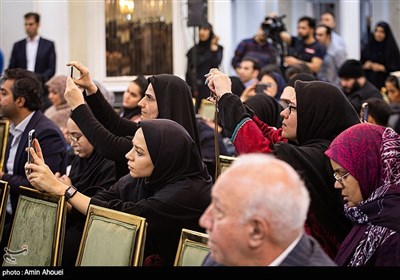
x=31 y=136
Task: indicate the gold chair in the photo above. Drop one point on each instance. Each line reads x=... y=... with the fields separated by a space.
x=4 y=191
x=207 y=110
x=37 y=233
x=4 y=127
x=112 y=238
x=224 y=163
x=192 y=248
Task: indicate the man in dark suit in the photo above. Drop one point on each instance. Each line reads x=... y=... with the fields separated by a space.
x=257 y=214
x=34 y=52
x=20 y=103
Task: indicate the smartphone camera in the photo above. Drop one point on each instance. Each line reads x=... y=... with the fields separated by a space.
x=261 y=87
x=31 y=136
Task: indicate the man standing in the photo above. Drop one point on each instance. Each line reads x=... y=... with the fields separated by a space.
x=20 y=103
x=35 y=53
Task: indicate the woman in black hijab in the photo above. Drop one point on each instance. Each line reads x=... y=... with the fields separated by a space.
x=203 y=56
x=266 y=108
x=317 y=112
x=169 y=96
x=168 y=184
x=381 y=55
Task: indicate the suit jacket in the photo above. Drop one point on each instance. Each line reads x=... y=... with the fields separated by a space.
x=54 y=148
x=307 y=252
x=45 y=66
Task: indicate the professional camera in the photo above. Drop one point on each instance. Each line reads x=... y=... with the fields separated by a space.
x=272 y=26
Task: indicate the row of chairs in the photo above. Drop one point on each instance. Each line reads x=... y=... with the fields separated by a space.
x=110 y=238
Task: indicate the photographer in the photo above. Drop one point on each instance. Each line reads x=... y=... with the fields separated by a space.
x=259 y=47
x=304 y=49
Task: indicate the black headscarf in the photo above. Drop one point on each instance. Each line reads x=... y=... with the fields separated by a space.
x=172 y=151
x=174 y=101
x=323 y=111
x=266 y=108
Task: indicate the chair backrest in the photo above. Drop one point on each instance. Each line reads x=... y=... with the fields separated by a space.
x=4 y=191
x=4 y=127
x=207 y=110
x=37 y=233
x=224 y=163
x=112 y=238
x=192 y=248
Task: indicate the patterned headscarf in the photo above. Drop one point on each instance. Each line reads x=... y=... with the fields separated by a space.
x=371 y=154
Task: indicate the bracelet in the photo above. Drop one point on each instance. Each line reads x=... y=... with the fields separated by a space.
x=70 y=192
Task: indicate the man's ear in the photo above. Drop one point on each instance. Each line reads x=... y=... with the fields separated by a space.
x=258 y=231
x=20 y=101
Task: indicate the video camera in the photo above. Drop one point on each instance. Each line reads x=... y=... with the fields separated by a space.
x=272 y=26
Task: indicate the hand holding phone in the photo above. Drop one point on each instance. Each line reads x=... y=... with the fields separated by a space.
x=31 y=136
x=261 y=87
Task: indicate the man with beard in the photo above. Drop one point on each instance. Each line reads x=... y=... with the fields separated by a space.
x=355 y=85
x=304 y=49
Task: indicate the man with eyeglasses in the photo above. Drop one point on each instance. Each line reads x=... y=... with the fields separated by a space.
x=20 y=102
x=306 y=132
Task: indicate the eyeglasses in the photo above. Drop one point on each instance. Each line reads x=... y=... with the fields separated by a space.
x=75 y=138
x=340 y=178
x=291 y=107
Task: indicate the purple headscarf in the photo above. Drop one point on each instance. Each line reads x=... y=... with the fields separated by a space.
x=371 y=154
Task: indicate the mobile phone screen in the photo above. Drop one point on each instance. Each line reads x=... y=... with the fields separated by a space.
x=31 y=136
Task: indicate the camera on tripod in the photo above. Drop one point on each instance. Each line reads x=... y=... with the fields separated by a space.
x=272 y=26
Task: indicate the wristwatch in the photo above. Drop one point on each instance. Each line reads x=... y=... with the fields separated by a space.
x=70 y=192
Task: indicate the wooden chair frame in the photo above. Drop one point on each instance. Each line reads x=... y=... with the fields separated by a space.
x=30 y=197
x=224 y=162
x=196 y=238
x=4 y=127
x=4 y=191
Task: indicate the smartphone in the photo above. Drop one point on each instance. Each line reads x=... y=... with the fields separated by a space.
x=261 y=87
x=31 y=136
x=364 y=112
x=72 y=72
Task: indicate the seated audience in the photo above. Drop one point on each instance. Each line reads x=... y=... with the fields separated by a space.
x=167 y=184
x=366 y=162
x=310 y=122
x=267 y=231
x=132 y=95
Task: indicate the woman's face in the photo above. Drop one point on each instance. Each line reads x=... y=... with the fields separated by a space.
x=393 y=93
x=79 y=142
x=148 y=104
x=139 y=160
x=379 y=34
x=204 y=34
x=132 y=96
x=272 y=88
x=349 y=186
x=289 y=114
x=54 y=97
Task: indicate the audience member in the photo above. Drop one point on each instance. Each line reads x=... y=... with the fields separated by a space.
x=310 y=123
x=248 y=71
x=266 y=108
x=381 y=55
x=334 y=57
x=378 y=111
x=20 y=101
x=89 y=174
x=328 y=19
x=133 y=94
x=304 y=49
x=257 y=47
x=206 y=54
x=268 y=231
x=366 y=162
x=292 y=71
x=392 y=85
x=167 y=184
x=354 y=84
x=167 y=96
x=35 y=53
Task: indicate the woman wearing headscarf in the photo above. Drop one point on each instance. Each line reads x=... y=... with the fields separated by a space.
x=90 y=173
x=167 y=184
x=366 y=162
x=316 y=113
x=203 y=56
x=381 y=55
x=167 y=96
x=266 y=108
x=131 y=97
x=59 y=111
